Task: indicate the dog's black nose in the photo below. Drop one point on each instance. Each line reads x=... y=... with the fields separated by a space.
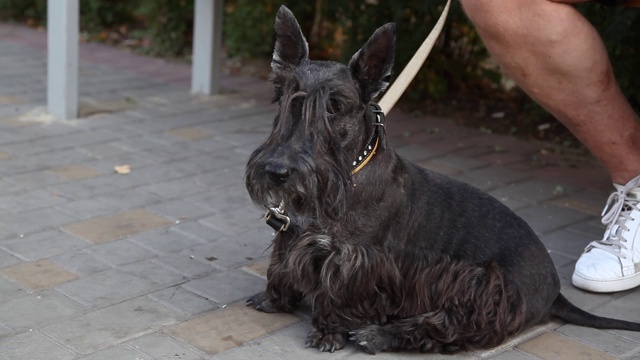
x=277 y=173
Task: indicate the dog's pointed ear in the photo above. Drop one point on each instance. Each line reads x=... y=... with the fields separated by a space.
x=372 y=65
x=291 y=46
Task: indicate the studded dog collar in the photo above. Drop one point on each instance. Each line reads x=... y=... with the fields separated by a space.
x=277 y=218
x=374 y=140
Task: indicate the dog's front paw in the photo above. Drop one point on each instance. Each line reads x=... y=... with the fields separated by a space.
x=260 y=302
x=371 y=339
x=326 y=341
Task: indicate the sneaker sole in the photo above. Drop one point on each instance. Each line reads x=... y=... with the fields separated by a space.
x=606 y=286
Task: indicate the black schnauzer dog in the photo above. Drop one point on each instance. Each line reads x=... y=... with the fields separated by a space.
x=391 y=256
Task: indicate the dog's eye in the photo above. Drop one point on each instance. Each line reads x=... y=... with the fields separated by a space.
x=333 y=108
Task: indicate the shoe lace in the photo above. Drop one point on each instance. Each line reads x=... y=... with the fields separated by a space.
x=615 y=215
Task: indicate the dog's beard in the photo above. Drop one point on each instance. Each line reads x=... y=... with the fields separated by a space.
x=319 y=190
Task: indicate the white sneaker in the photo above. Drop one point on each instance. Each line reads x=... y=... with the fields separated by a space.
x=613 y=263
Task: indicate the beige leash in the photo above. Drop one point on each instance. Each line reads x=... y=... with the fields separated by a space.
x=409 y=72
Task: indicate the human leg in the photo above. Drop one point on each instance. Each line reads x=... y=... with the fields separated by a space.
x=557 y=57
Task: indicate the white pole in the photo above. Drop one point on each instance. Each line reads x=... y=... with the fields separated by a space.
x=62 y=53
x=207 y=44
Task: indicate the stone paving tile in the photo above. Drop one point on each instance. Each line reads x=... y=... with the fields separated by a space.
x=111 y=325
x=442 y=168
x=38 y=275
x=505 y=158
x=5 y=155
x=532 y=191
x=30 y=200
x=196 y=230
x=582 y=299
x=113 y=227
x=228 y=286
x=131 y=199
x=546 y=218
x=242 y=353
x=591 y=228
x=288 y=344
x=4 y=332
x=87 y=188
x=625 y=306
x=102 y=151
x=191 y=133
x=136 y=160
x=603 y=340
x=566 y=242
x=10 y=187
x=488 y=178
x=43 y=161
x=32 y=346
x=412 y=356
x=511 y=342
x=513 y=355
x=121 y=252
x=32 y=180
x=159 y=346
x=75 y=172
x=588 y=201
x=219 y=199
x=233 y=221
x=42 y=245
x=34 y=310
x=188 y=265
x=80 y=262
x=227 y=328
x=220 y=178
x=553 y=346
x=5 y=233
x=416 y=153
x=7 y=259
x=168 y=171
x=229 y=252
x=180 y=210
x=116 y=285
x=87 y=208
x=560 y=260
x=176 y=188
x=456 y=162
x=186 y=302
x=117 y=352
x=258 y=268
x=165 y=241
x=514 y=204
x=9 y=290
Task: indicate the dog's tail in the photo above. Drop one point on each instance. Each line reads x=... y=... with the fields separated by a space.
x=563 y=309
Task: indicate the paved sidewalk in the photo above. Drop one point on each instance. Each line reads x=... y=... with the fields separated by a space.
x=156 y=263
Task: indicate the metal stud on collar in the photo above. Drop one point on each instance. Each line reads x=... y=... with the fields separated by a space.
x=374 y=141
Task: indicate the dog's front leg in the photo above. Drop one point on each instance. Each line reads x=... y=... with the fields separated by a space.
x=280 y=295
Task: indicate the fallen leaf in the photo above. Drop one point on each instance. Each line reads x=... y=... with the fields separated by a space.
x=123 y=169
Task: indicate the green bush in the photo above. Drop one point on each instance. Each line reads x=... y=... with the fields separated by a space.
x=168 y=24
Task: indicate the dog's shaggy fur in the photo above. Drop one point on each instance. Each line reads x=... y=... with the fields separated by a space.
x=393 y=256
